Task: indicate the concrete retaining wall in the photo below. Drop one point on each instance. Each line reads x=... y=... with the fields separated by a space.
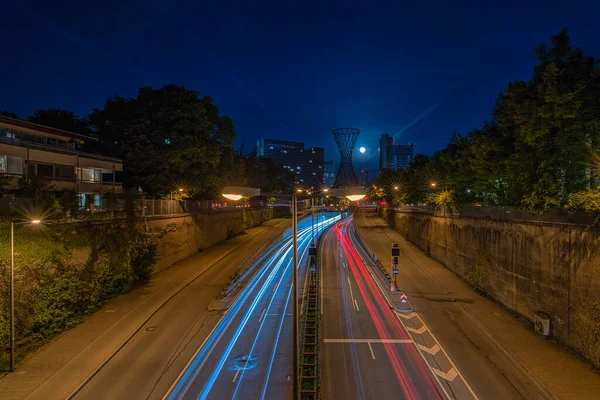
x=199 y=231
x=526 y=266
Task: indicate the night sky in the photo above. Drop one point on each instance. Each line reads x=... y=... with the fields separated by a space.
x=290 y=70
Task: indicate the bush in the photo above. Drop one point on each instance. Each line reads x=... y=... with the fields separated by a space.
x=444 y=198
x=587 y=200
x=54 y=290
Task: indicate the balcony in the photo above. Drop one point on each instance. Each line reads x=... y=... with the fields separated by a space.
x=67 y=149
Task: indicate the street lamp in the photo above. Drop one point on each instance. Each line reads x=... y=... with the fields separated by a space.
x=433 y=184
x=12 y=288
x=180 y=190
x=396 y=188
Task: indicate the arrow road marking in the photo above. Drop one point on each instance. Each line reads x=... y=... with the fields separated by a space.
x=419 y=331
x=449 y=376
x=431 y=350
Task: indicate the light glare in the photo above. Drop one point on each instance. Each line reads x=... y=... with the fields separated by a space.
x=233 y=197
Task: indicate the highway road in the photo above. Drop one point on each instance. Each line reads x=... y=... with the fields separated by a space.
x=464 y=353
x=366 y=353
x=249 y=353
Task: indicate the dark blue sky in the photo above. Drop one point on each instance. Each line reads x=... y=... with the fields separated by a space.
x=290 y=69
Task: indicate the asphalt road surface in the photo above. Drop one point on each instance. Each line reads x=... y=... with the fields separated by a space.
x=249 y=354
x=463 y=353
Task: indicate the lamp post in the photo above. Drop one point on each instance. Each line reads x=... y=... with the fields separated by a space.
x=295 y=291
x=12 y=291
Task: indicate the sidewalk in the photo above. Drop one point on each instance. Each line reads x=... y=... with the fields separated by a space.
x=57 y=370
x=557 y=372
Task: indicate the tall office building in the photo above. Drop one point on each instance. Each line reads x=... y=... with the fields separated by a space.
x=329 y=173
x=307 y=164
x=392 y=155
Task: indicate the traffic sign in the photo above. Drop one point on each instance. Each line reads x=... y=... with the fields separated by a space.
x=403 y=298
x=395 y=250
x=312 y=269
x=312 y=251
x=395 y=271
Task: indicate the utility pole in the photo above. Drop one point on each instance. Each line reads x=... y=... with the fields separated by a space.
x=295 y=292
x=12 y=297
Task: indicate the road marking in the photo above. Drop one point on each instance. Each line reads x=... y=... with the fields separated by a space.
x=431 y=350
x=351 y=294
x=370 y=348
x=409 y=315
x=356 y=304
x=419 y=331
x=404 y=341
x=449 y=376
x=262 y=315
x=235 y=376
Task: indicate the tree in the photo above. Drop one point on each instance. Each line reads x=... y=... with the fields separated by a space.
x=268 y=175
x=9 y=114
x=168 y=137
x=61 y=119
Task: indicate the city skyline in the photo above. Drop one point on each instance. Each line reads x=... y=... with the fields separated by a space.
x=414 y=91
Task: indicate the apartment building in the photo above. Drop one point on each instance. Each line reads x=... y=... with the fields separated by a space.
x=28 y=149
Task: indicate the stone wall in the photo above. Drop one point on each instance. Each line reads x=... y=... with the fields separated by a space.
x=201 y=230
x=529 y=267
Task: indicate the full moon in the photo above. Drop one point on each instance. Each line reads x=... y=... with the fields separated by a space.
x=362 y=149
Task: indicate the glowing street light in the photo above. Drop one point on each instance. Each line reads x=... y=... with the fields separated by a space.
x=355 y=197
x=396 y=187
x=433 y=184
x=362 y=149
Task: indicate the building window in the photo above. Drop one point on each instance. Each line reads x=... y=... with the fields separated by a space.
x=15 y=165
x=90 y=175
x=297 y=167
x=314 y=173
x=270 y=147
x=320 y=166
x=45 y=170
x=310 y=161
x=3 y=166
x=97 y=201
x=66 y=172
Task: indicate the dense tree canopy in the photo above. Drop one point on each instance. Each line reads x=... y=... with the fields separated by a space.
x=171 y=137
x=61 y=119
x=535 y=152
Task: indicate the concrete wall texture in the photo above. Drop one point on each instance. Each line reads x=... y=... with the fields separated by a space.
x=201 y=230
x=529 y=267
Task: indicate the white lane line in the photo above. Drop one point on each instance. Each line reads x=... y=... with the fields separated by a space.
x=356 y=304
x=262 y=315
x=235 y=376
x=350 y=285
x=404 y=341
x=371 y=348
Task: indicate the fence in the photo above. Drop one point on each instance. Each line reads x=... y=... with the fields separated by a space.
x=503 y=213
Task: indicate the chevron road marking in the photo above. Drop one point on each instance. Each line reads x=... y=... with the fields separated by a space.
x=409 y=315
x=419 y=331
x=431 y=350
x=449 y=376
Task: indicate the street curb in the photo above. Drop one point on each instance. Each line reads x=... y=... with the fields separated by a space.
x=244 y=277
